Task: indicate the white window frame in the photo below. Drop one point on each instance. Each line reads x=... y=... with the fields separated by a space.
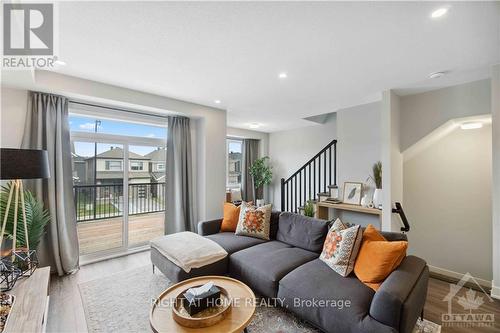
x=139 y=164
x=107 y=165
x=229 y=140
x=125 y=141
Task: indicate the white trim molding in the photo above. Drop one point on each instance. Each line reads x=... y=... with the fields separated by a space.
x=457 y=275
x=495 y=291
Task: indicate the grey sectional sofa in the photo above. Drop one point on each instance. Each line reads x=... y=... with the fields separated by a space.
x=288 y=267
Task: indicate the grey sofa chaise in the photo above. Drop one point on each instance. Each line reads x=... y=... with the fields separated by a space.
x=288 y=267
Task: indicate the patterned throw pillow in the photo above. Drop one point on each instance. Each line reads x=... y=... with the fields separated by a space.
x=341 y=247
x=253 y=221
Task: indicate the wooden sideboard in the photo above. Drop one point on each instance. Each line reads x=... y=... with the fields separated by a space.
x=322 y=208
x=29 y=313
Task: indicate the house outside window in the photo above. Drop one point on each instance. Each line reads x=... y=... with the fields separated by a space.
x=234 y=162
x=160 y=167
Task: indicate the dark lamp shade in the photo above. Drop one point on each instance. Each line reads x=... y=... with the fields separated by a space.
x=23 y=164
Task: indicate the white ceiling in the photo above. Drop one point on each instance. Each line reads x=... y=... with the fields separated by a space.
x=336 y=54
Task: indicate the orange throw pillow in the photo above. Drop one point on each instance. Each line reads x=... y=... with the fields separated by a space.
x=377 y=258
x=231 y=215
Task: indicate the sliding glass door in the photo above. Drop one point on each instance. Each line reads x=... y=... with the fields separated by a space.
x=118 y=183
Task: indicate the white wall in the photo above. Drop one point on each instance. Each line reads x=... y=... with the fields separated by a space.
x=291 y=149
x=447 y=191
x=13 y=116
x=425 y=112
x=209 y=125
x=495 y=110
x=392 y=160
x=357 y=130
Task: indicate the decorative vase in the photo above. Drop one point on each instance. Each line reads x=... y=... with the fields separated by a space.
x=364 y=201
x=260 y=202
x=377 y=197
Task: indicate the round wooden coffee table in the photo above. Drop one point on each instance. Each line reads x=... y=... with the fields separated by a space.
x=241 y=314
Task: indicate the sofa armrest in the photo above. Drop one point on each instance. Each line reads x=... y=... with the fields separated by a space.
x=206 y=228
x=401 y=297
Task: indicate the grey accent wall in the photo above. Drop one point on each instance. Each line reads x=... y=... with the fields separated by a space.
x=447 y=191
x=423 y=113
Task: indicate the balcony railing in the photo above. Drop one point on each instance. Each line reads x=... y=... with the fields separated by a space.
x=95 y=202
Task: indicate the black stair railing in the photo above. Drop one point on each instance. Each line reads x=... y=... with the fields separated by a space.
x=313 y=177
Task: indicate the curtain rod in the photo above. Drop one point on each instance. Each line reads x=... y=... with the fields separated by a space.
x=118 y=109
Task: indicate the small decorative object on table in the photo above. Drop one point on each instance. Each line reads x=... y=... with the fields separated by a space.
x=6 y=303
x=309 y=209
x=8 y=274
x=334 y=192
x=352 y=193
x=18 y=164
x=201 y=306
x=377 y=179
x=201 y=298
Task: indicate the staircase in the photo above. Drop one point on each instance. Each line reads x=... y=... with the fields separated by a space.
x=310 y=181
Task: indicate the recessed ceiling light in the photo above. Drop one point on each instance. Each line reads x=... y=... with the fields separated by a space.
x=471 y=125
x=283 y=75
x=254 y=125
x=435 y=75
x=439 y=12
x=217 y=101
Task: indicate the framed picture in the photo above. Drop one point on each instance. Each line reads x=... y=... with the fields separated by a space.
x=352 y=193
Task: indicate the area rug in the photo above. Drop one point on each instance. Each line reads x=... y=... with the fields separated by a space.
x=121 y=302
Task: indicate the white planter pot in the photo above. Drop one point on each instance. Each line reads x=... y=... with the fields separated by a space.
x=260 y=202
x=377 y=197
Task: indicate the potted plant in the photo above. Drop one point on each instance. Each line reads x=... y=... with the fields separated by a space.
x=262 y=175
x=309 y=209
x=377 y=179
x=37 y=217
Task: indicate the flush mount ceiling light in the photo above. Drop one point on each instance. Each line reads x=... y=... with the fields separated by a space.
x=217 y=101
x=283 y=75
x=471 y=125
x=435 y=75
x=254 y=125
x=439 y=12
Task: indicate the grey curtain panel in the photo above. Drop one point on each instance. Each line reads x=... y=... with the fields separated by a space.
x=47 y=128
x=250 y=154
x=179 y=214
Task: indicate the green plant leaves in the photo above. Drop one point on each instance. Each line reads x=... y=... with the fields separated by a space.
x=36 y=217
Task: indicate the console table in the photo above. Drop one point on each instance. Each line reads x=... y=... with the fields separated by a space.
x=323 y=206
x=29 y=313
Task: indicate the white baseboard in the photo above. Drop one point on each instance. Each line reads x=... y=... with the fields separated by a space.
x=456 y=275
x=495 y=291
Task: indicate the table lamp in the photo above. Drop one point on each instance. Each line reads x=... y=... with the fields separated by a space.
x=16 y=165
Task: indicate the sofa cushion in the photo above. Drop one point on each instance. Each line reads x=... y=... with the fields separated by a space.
x=316 y=281
x=341 y=247
x=254 y=221
x=262 y=266
x=232 y=243
x=301 y=231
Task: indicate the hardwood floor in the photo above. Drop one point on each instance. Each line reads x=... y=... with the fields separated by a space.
x=66 y=312
x=107 y=234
